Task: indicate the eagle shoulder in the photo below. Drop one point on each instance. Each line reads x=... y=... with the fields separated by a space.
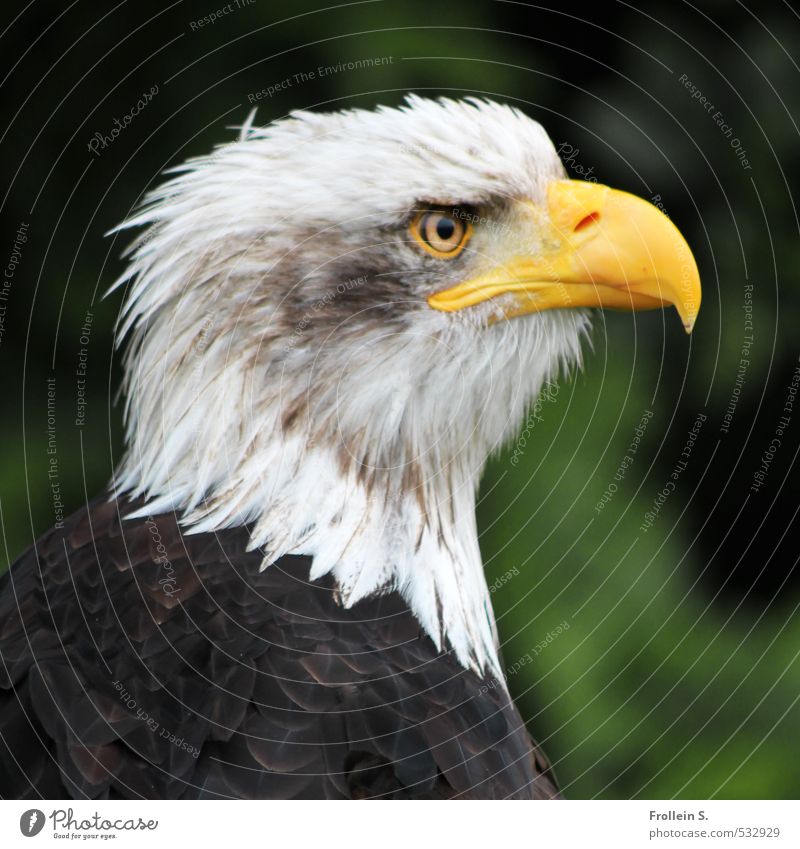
x=141 y=661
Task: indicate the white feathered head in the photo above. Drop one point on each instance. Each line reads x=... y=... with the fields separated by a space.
x=336 y=318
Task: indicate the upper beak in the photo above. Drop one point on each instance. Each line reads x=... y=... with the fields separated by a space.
x=602 y=248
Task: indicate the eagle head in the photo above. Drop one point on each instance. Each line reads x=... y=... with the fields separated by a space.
x=333 y=320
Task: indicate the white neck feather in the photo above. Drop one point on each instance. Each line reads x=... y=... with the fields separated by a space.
x=402 y=516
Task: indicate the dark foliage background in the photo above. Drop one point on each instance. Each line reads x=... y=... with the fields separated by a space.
x=678 y=674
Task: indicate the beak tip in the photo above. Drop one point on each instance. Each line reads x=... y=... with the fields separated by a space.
x=689 y=322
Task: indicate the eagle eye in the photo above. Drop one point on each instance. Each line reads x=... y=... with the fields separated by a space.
x=441 y=233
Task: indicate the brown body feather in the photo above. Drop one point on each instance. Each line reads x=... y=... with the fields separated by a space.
x=138 y=661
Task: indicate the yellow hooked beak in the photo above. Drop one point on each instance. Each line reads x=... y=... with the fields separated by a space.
x=596 y=247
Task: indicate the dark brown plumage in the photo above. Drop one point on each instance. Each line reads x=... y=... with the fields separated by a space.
x=129 y=670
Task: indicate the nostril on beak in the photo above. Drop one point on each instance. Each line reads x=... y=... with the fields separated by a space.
x=587 y=221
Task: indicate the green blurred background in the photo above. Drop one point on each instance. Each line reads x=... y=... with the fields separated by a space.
x=679 y=673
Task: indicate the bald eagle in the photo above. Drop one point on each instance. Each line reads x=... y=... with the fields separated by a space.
x=331 y=322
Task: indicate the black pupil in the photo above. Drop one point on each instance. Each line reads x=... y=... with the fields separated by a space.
x=445 y=228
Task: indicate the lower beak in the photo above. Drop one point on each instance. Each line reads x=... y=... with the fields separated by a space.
x=603 y=248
